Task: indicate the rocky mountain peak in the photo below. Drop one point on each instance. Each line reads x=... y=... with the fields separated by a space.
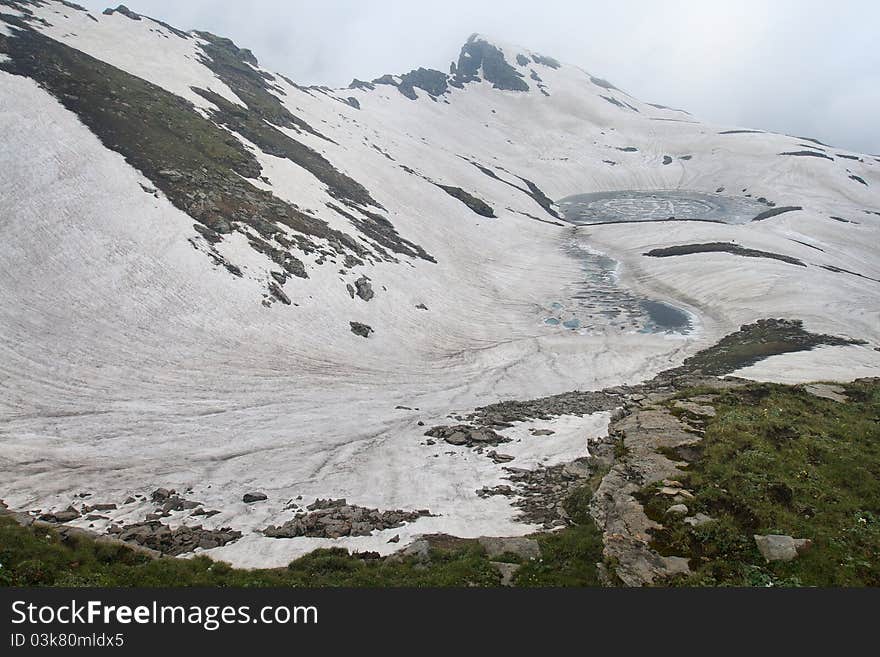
x=125 y=11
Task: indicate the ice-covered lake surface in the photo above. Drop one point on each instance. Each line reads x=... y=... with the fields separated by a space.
x=658 y=205
x=599 y=302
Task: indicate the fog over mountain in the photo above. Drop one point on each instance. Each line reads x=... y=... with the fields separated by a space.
x=803 y=67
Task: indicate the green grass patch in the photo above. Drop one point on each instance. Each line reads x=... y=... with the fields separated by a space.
x=751 y=344
x=37 y=557
x=777 y=460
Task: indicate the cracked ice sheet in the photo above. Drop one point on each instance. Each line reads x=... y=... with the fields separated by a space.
x=444 y=480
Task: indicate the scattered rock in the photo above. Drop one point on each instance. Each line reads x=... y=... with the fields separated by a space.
x=422 y=306
x=61 y=516
x=463 y=434
x=541 y=432
x=336 y=518
x=501 y=489
x=500 y=458
x=88 y=508
x=503 y=414
x=161 y=494
x=156 y=536
x=778 y=547
x=394 y=539
x=362 y=330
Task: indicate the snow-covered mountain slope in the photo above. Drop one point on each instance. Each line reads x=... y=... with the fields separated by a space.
x=187 y=238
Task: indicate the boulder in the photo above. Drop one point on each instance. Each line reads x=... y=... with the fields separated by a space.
x=419 y=550
x=506 y=570
x=162 y=494
x=499 y=458
x=698 y=519
x=362 y=330
x=463 y=434
x=364 y=288
x=827 y=391
x=525 y=548
x=778 y=547
x=249 y=498
x=61 y=516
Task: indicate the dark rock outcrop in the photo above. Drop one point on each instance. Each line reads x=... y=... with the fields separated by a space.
x=337 y=518
x=362 y=330
x=767 y=214
x=480 y=207
x=720 y=247
x=61 y=516
x=430 y=80
x=364 y=289
x=463 y=434
x=125 y=11
x=157 y=536
x=545 y=61
x=808 y=154
x=479 y=55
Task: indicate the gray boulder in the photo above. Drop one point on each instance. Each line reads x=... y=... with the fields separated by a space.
x=525 y=548
x=362 y=330
x=364 y=288
x=778 y=547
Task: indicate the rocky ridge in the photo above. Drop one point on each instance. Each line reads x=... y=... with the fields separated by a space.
x=337 y=518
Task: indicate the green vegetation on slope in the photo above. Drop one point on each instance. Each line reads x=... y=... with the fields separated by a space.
x=753 y=343
x=36 y=557
x=778 y=460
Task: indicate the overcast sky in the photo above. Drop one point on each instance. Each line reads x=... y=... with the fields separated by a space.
x=804 y=67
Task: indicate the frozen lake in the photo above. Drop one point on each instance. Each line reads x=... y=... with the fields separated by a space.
x=599 y=303
x=658 y=205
